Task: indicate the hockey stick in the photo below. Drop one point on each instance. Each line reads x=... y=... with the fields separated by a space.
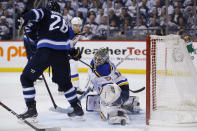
x=54 y=104
x=133 y=91
x=137 y=91
x=69 y=109
x=25 y=121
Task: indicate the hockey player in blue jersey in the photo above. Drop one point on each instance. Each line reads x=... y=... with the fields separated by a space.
x=112 y=89
x=53 y=49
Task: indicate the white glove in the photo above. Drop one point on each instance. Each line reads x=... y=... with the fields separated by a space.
x=22 y=22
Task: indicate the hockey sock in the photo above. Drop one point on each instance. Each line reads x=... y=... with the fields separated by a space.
x=71 y=95
x=29 y=93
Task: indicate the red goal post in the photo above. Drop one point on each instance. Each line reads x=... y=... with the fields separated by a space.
x=171 y=91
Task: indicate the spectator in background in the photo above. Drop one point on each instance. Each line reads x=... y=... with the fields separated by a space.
x=181 y=23
x=4 y=29
x=110 y=5
x=88 y=34
x=9 y=18
x=75 y=4
x=102 y=29
x=176 y=15
x=66 y=15
x=20 y=5
x=84 y=8
x=118 y=8
x=133 y=9
x=124 y=14
x=127 y=26
x=99 y=16
x=62 y=4
x=143 y=8
x=171 y=23
x=92 y=12
x=129 y=3
x=158 y=7
x=194 y=28
x=162 y=16
x=1 y=9
x=71 y=10
x=154 y=26
x=114 y=28
x=191 y=17
x=96 y=5
x=80 y=15
x=170 y=8
x=142 y=28
x=180 y=5
x=112 y=16
x=92 y=24
x=10 y=8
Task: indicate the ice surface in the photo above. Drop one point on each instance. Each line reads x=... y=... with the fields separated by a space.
x=11 y=95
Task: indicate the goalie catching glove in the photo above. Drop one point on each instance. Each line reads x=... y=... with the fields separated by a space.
x=75 y=54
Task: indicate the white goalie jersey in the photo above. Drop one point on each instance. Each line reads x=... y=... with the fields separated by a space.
x=106 y=74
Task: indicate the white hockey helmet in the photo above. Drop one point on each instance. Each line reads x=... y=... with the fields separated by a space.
x=76 y=23
x=101 y=56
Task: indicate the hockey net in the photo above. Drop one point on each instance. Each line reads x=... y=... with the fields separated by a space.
x=171 y=80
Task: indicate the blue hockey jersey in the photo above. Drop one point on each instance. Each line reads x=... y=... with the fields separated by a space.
x=53 y=31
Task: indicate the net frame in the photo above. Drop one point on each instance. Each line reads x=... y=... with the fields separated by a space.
x=151 y=86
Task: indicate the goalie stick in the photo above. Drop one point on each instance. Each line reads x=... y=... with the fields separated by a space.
x=25 y=121
x=133 y=91
x=122 y=60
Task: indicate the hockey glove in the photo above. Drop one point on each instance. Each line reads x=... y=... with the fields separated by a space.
x=75 y=54
x=21 y=22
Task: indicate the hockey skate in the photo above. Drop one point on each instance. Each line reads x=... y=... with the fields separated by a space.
x=30 y=114
x=77 y=112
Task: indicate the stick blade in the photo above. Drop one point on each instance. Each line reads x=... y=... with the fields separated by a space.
x=61 y=110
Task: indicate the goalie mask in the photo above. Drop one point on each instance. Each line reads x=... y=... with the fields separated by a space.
x=101 y=57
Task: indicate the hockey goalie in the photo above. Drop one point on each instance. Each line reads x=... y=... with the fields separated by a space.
x=112 y=99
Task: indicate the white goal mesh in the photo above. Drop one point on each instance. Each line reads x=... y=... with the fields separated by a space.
x=171 y=82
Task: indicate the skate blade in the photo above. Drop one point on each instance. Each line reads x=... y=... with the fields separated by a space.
x=31 y=120
x=61 y=110
x=77 y=118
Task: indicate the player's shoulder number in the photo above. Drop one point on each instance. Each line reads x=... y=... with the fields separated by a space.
x=56 y=24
